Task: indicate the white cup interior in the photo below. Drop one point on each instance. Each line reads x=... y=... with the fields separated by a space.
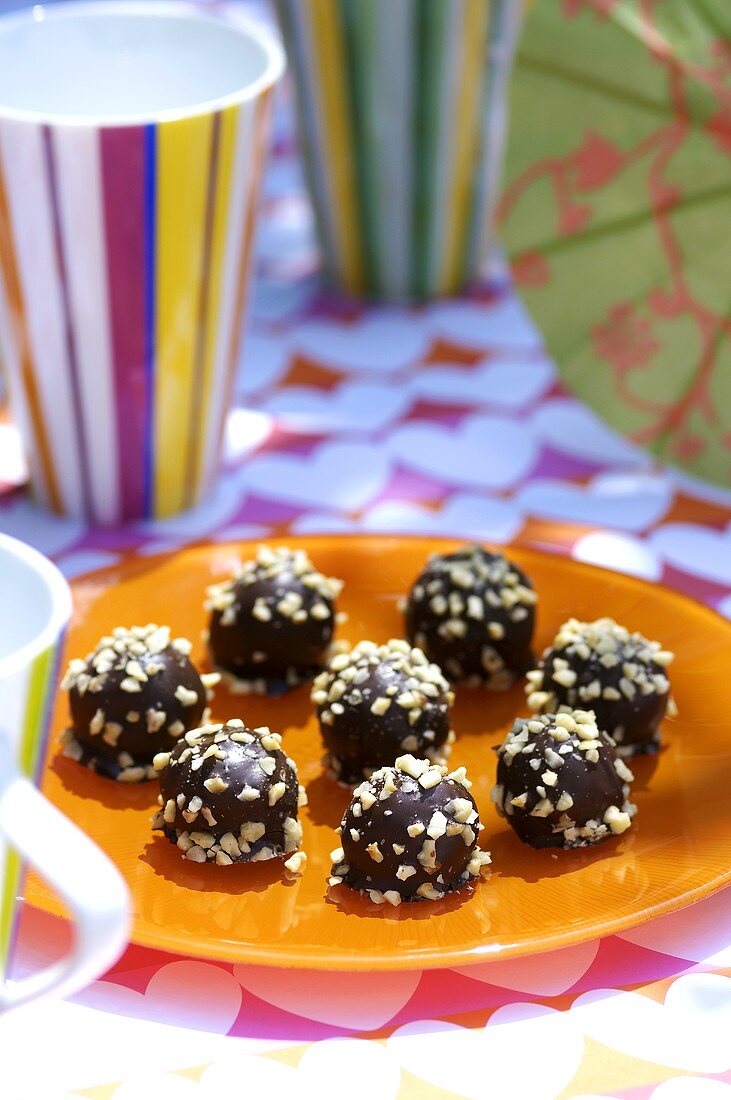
x=128 y=61
x=34 y=604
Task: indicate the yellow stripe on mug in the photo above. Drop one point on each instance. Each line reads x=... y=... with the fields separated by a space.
x=221 y=227
x=465 y=150
x=327 y=45
x=183 y=161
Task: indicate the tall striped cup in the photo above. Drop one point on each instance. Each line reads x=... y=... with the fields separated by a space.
x=401 y=117
x=35 y=605
x=132 y=139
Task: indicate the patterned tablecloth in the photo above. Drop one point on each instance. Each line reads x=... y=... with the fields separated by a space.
x=444 y=419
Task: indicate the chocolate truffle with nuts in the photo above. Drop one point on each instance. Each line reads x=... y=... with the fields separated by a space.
x=473 y=613
x=272 y=624
x=560 y=783
x=376 y=703
x=133 y=697
x=410 y=834
x=621 y=676
x=229 y=794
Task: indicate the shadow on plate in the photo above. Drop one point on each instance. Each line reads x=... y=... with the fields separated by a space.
x=513 y=859
x=644 y=768
x=489 y=714
x=279 y=712
x=84 y=783
x=240 y=878
x=327 y=800
x=354 y=904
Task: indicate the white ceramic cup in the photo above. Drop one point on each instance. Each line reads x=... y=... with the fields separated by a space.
x=35 y=605
x=133 y=135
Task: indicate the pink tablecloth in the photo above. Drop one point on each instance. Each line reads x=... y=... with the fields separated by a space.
x=445 y=419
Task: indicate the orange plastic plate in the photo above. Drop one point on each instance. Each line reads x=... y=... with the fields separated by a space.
x=679 y=850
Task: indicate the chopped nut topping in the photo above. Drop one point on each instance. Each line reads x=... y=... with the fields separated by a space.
x=277 y=791
x=186 y=697
x=215 y=784
x=296 y=863
x=590 y=646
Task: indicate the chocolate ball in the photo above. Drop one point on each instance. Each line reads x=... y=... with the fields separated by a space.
x=134 y=696
x=560 y=783
x=410 y=834
x=379 y=701
x=473 y=613
x=229 y=794
x=271 y=625
x=621 y=676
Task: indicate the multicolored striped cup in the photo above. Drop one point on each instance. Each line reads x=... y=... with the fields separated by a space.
x=35 y=605
x=132 y=139
x=402 y=117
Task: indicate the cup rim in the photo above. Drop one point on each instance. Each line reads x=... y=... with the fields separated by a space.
x=241 y=22
x=61 y=605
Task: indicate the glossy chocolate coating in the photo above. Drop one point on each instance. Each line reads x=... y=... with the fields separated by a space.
x=272 y=624
x=571 y=790
x=379 y=854
x=473 y=613
x=115 y=714
x=202 y=808
x=378 y=702
x=629 y=698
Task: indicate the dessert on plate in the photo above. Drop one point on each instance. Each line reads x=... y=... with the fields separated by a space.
x=409 y=834
x=621 y=676
x=272 y=623
x=473 y=613
x=132 y=697
x=560 y=783
x=377 y=702
x=229 y=794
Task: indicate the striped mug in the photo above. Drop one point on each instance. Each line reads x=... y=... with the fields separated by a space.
x=35 y=604
x=401 y=118
x=132 y=138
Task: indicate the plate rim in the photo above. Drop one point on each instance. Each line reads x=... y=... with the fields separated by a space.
x=426 y=958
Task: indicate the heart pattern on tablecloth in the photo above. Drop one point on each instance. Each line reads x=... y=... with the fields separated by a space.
x=322 y=1071
x=173 y=995
x=502 y=321
x=48 y=533
x=464 y=1060
x=570 y=428
x=265 y=360
x=701 y=933
x=483 y=452
x=511 y=383
x=557 y=972
x=696 y=550
x=688 y=1031
x=84 y=1047
x=352 y=407
x=383 y=342
x=624 y=503
x=361 y=1002
x=465 y=515
x=342 y=476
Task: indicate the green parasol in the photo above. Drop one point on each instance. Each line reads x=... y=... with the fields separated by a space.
x=616 y=213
